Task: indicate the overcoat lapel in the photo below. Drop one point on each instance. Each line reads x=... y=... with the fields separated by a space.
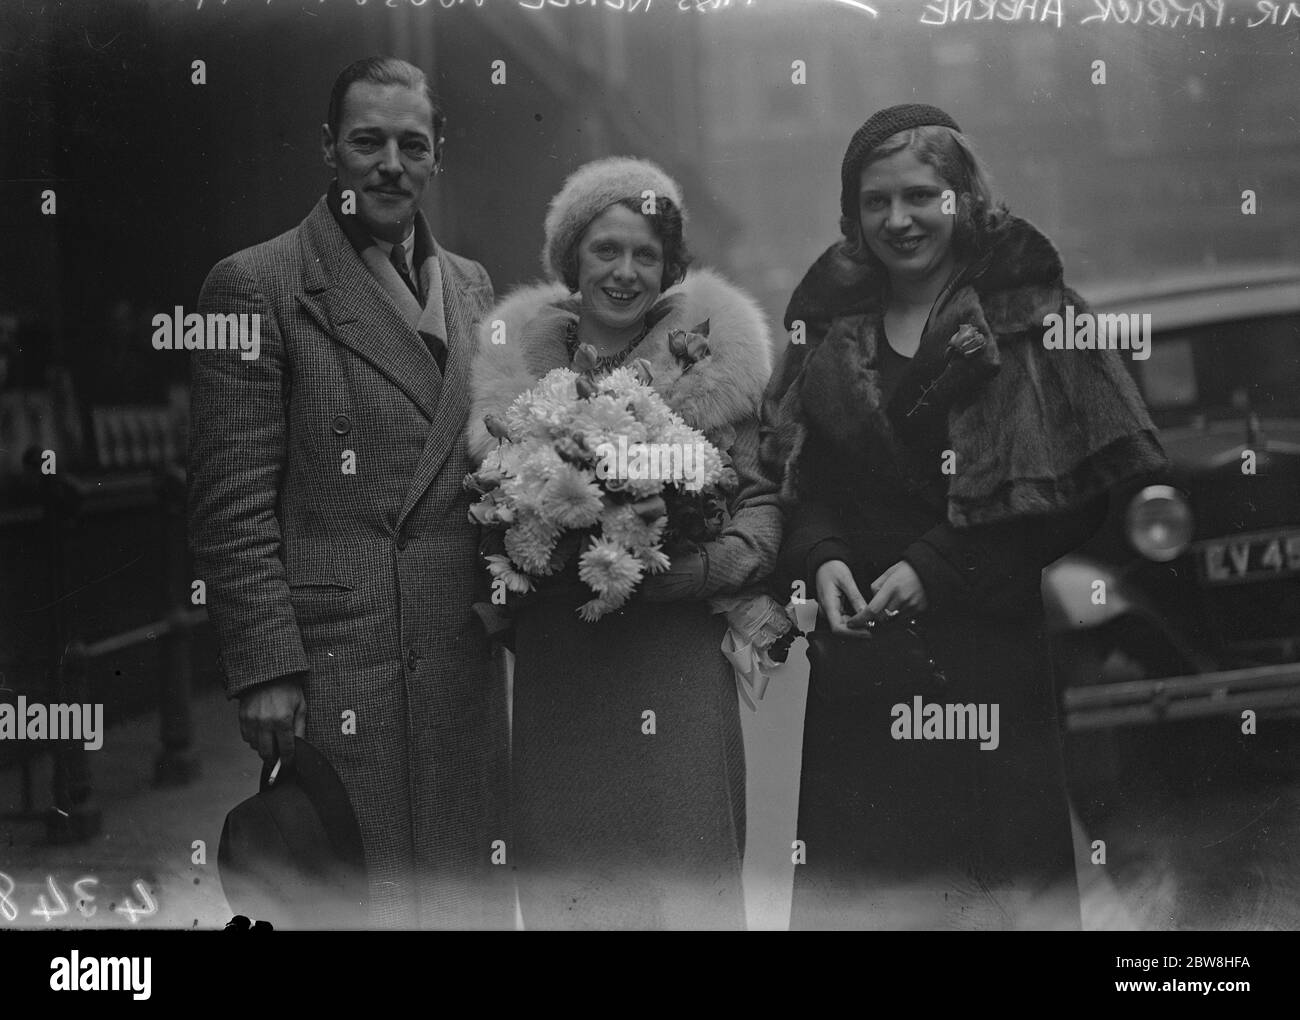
x=350 y=305
x=462 y=300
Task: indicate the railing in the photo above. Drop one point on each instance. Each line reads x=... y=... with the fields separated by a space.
x=67 y=503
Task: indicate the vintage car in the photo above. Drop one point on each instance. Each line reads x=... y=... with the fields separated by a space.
x=1187 y=603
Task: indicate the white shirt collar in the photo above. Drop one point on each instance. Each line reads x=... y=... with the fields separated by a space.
x=408 y=243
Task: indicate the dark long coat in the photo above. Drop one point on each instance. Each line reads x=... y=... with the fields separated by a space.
x=360 y=582
x=977 y=482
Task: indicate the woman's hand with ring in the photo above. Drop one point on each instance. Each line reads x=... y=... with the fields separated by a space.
x=897 y=590
x=838 y=598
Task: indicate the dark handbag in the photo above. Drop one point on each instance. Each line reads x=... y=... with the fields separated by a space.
x=894 y=662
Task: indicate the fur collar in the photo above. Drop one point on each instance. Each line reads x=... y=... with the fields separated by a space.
x=1032 y=432
x=719 y=391
x=1020 y=272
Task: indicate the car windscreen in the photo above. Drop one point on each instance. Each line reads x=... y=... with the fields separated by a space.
x=1224 y=367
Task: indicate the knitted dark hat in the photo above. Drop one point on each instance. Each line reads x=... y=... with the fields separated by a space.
x=882 y=125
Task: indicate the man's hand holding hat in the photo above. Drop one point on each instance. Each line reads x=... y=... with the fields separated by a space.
x=271 y=715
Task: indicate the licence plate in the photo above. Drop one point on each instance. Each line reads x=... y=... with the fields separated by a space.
x=1265 y=555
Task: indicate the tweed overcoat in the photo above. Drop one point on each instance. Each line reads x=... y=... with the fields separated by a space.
x=329 y=522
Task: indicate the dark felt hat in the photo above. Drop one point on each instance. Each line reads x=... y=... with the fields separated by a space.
x=882 y=125
x=292 y=854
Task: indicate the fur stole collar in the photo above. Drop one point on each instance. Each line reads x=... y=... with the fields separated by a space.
x=719 y=391
x=1030 y=431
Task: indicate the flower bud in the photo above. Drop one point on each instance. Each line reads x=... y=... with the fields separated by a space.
x=496 y=425
x=585 y=358
x=643 y=372
x=489 y=478
x=967 y=341
x=650 y=509
x=483 y=512
x=571 y=449
x=697 y=346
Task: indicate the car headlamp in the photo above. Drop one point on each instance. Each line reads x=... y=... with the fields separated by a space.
x=1159 y=523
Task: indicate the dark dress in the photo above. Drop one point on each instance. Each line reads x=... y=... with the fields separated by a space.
x=929 y=833
x=614 y=826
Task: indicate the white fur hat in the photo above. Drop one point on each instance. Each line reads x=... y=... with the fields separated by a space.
x=589 y=191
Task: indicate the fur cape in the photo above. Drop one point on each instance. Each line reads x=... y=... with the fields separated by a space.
x=1034 y=431
x=720 y=391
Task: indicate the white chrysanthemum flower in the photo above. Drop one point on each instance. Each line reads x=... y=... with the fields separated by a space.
x=502 y=569
x=603 y=419
x=653 y=413
x=598 y=607
x=705 y=461
x=536 y=464
x=559 y=384
x=622 y=381
x=490 y=510
x=643 y=469
x=624 y=526
x=655 y=559
x=545 y=408
x=571 y=498
x=506 y=459
x=530 y=542
x=609 y=570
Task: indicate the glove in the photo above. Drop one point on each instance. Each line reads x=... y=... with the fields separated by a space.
x=687 y=573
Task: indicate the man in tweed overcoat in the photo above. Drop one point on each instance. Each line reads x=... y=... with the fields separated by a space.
x=328 y=519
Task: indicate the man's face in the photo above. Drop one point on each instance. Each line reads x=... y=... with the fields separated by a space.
x=385 y=152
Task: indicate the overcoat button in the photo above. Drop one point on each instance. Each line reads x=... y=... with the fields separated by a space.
x=412 y=659
x=401 y=540
x=341 y=425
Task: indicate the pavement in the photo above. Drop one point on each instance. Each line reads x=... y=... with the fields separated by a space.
x=1205 y=855
x=163 y=838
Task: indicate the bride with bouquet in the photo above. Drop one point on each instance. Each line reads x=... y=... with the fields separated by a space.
x=615 y=422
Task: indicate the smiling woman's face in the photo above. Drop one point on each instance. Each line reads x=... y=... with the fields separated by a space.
x=620 y=268
x=900 y=203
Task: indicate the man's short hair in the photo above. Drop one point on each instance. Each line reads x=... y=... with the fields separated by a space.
x=381 y=71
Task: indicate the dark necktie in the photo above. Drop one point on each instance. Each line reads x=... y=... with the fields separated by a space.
x=397 y=256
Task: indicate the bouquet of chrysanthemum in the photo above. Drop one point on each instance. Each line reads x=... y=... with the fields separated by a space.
x=589 y=467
